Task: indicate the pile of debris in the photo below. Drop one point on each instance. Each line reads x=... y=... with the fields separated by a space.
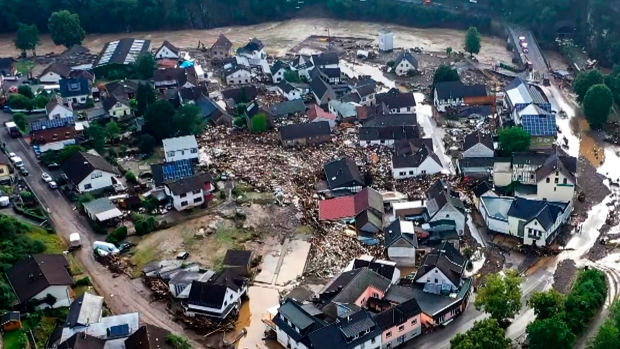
x=114 y=264
x=205 y=326
x=159 y=288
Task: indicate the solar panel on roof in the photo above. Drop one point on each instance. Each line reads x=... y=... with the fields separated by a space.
x=177 y=170
x=119 y=331
x=48 y=124
x=540 y=125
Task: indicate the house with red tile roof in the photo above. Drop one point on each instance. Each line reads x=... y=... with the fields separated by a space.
x=316 y=114
x=347 y=207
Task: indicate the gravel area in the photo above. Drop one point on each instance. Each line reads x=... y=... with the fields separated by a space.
x=565 y=276
x=591 y=183
x=599 y=250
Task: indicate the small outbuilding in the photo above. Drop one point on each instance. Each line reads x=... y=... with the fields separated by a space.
x=101 y=210
x=11 y=321
x=239 y=261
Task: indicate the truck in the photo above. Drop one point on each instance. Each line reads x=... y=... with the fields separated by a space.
x=524 y=47
x=12 y=129
x=75 y=241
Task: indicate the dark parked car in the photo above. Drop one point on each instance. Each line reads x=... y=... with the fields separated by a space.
x=53 y=166
x=23 y=171
x=125 y=246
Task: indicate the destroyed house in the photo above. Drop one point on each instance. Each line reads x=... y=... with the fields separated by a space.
x=384 y=268
x=239 y=261
x=86 y=309
x=216 y=298
x=347 y=207
x=244 y=94
x=221 y=49
x=312 y=133
x=343 y=175
x=112 y=329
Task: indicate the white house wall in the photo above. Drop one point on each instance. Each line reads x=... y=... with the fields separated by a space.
x=403 y=67
x=60 y=292
x=478 y=151
x=164 y=52
x=449 y=212
x=50 y=78
x=437 y=277
x=403 y=256
x=555 y=192
x=181 y=154
x=239 y=77
x=192 y=199
x=494 y=224
x=100 y=182
x=60 y=112
x=287 y=342
x=427 y=167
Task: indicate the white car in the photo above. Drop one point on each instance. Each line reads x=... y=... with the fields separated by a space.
x=46 y=178
x=52 y=185
x=12 y=155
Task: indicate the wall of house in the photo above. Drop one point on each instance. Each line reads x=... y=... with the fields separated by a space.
x=120 y=111
x=231 y=297
x=76 y=99
x=542 y=142
x=451 y=213
x=402 y=333
x=181 y=154
x=562 y=191
x=294 y=94
x=427 y=167
x=56 y=145
x=402 y=253
x=164 y=52
x=184 y=201
x=369 y=292
x=403 y=67
x=60 y=112
x=535 y=234
x=513 y=226
x=492 y=223
x=386 y=142
x=288 y=342
x=5 y=172
x=478 y=151
x=427 y=319
x=403 y=110
x=502 y=179
x=441 y=104
x=50 y=78
x=278 y=76
x=331 y=122
x=62 y=293
x=96 y=182
x=239 y=77
x=437 y=277
x=525 y=173
x=219 y=53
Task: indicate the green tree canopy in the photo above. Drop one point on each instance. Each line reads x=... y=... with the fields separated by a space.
x=96 y=136
x=292 y=76
x=584 y=81
x=187 y=120
x=66 y=29
x=18 y=101
x=40 y=101
x=472 y=41
x=112 y=130
x=597 y=104
x=485 y=334
x=25 y=90
x=145 y=96
x=145 y=65
x=27 y=38
x=157 y=116
x=608 y=337
x=514 y=139
x=259 y=123
x=547 y=304
x=20 y=120
x=500 y=296
x=550 y=333
x=445 y=73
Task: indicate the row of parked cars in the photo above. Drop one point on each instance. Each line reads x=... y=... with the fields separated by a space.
x=19 y=165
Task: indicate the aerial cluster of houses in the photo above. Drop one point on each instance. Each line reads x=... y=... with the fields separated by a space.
x=44 y=281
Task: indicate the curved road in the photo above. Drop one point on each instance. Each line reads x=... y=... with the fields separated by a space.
x=120 y=294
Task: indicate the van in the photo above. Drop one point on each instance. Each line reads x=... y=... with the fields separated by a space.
x=4 y=201
x=105 y=246
x=17 y=161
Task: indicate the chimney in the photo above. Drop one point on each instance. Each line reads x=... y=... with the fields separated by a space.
x=31 y=277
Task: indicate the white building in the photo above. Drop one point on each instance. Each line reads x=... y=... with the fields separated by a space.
x=88 y=172
x=181 y=148
x=54 y=73
x=404 y=63
x=478 y=145
x=217 y=297
x=455 y=93
x=401 y=242
x=37 y=276
x=189 y=192
x=238 y=75
x=386 y=40
x=419 y=163
x=56 y=110
x=167 y=50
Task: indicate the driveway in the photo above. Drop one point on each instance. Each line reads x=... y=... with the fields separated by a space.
x=120 y=295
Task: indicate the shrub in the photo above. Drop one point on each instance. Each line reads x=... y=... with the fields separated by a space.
x=131 y=177
x=118 y=235
x=85 y=281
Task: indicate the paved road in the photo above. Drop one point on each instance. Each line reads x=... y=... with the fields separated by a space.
x=535 y=54
x=120 y=294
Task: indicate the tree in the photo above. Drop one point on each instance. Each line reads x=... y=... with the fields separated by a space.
x=20 y=120
x=145 y=65
x=547 y=304
x=25 y=90
x=500 y=296
x=448 y=51
x=550 y=333
x=156 y=117
x=112 y=130
x=445 y=73
x=187 y=120
x=291 y=76
x=27 y=38
x=18 y=101
x=96 y=136
x=584 y=81
x=147 y=143
x=40 y=101
x=66 y=29
x=472 y=41
x=514 y=139
x=259 y=123
x=485 y=334
x=145 y=96
x=119 y=234
x=178 y=342
x=597 y=104
x=608 y=337
x=240 y=122
x=131 y=177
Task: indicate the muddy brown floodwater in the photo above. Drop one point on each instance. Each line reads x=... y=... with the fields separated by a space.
x=279 y=37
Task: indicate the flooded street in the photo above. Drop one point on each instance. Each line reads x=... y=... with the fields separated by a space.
x=279 y=37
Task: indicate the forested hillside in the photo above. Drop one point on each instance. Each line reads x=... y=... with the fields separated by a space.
x=597 y=21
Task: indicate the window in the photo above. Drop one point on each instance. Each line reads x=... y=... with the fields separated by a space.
x=67 y=134
x=182 y=152
x=436 y=280
x=411 y=173
x=402 y=173
x=388 y=335
x=408 y=108
x=170 y=153
x=194 y=150
x=414 y=321
x=183 y=203
x=557 y=180
x=1 y=170
x=373 y=340
x=423 y=172
x=565 y=181
x=555 y=188
x=55 y=137
x=532 y=176
x=96 y=175
x=197 y=200
x=196 y=191
x=447 y=215
x=548 y=180
x=88 y=186
x=376 y=295
x=401 y=328
x=183 y=195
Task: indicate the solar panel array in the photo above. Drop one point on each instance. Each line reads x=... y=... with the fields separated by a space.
x=539 y=125
x=55 y=123
x=177 y=170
